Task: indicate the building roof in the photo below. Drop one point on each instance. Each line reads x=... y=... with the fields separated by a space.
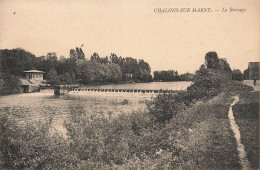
x=34 y=71
x=253 y=65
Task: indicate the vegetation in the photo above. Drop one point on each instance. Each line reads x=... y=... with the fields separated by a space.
x=237 y=75
x=76 y=69
x=186 y=130
x=246 y=112
x=198 y=137
x=171 y=75
x=9 y=84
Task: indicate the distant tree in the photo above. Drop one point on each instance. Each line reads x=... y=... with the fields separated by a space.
x=16 y=61
x=50 y=61
x=9 y=84
x=51 y=56
x=212 y=60
x=224 y=65
x=186 y=77
x=52 y=77
x=77 y=54
x=76 y=68
x=156 y=75
x=80 y=53
x=62 y=58
x=73 y=54
x=115 y=72
x=237 y=75
x=66 y=78
x=95 y=57
x=144 y=70
x=85 y=71
x=166 y=75
x=246 y=74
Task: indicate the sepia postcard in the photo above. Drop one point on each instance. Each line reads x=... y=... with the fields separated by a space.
x=129 y=84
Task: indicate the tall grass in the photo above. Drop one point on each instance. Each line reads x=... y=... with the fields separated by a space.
x=178 y=131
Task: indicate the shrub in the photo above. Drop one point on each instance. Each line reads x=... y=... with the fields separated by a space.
x=33 y=147
x=165 y=106
x=207 y=83
x=9 y=84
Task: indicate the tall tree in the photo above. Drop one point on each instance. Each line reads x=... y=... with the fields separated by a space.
x=212 y=60
x=53 y=77
x=237 y=75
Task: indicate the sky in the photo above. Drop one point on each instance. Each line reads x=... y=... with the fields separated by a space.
x=131 y=28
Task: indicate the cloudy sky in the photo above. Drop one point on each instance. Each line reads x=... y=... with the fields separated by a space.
x=131 y=28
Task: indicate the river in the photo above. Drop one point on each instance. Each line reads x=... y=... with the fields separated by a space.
x=31 y=107
x=178 y=85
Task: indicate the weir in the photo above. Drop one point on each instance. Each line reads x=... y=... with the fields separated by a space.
x=64 y=89
x=122 y=90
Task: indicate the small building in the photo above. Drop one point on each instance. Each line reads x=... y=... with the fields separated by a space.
x=34 y=74
x=253 y=70
x=32 y=81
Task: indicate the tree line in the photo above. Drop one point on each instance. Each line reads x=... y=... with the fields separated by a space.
x=171 y=75
x=75 y=69
x=96 y=70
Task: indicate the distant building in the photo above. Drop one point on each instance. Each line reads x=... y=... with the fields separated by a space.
x=253 y=70
x=34 y=74
x=32 y=81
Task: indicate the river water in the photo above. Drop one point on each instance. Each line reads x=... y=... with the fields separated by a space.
x=31 y=107
x=178 y=85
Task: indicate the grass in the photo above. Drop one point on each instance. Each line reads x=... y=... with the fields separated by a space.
x=198 y=137
x=205 y=137
x=246 y=112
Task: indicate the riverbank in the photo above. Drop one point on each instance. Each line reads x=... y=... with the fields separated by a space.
x=198 y=137
x=201 y=137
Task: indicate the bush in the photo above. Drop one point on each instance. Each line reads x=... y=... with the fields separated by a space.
x=208 y=83
x=165 y=106
x=10 y=84
x=33 y=147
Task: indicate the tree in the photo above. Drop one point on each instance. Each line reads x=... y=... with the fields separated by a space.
x=212 y=60
x=166 y=75
x=66 y=78
x=95 y=57
x=237 y=75
x=80 y=53
x=116 y=74
x=246 y=74
x=73 y=54
x=144 y=70
x=16 y=61
x=224 y=65
x=77 y=54
x=52 y=77
x=9 y=84
x=85 y=71
x=164 y=107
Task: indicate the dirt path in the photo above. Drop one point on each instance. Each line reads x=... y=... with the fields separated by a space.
x=240 y=147
x=251 y=83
